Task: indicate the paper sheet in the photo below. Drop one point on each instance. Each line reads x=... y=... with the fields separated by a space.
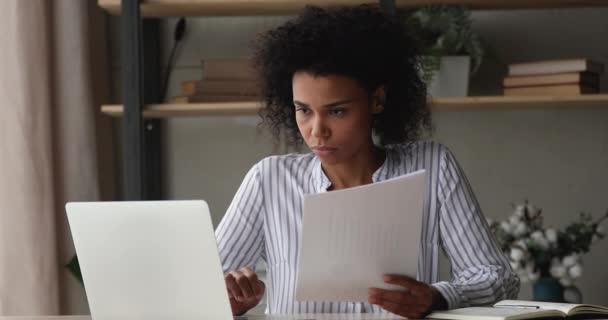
x=352 y=237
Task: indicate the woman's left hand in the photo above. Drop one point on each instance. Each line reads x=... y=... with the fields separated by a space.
x=416 y=300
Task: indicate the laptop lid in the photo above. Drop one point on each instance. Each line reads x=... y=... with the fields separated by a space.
x=149 y=260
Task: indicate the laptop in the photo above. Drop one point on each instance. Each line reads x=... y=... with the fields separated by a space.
x=157 y=260
x=149 y=260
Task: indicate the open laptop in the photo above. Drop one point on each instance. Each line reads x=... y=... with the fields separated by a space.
x=149 y=260
x=157 y=260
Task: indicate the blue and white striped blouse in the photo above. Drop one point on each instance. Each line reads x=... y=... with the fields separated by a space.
x=264 y=221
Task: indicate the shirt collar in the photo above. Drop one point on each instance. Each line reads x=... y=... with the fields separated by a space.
x=320 y=179
x=322 y=182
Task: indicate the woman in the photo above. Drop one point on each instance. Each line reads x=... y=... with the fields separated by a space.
x=338 y=80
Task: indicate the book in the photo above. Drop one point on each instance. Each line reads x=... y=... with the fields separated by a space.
x=520 y=309
x=219 y=87
x=555 y=66
x=585 y=78
x=213 y=98
x=228 y=69
x=557 y=90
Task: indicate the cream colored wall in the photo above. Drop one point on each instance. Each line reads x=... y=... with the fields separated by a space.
x=558 y=159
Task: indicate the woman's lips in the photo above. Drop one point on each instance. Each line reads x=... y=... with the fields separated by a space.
x=323 y=151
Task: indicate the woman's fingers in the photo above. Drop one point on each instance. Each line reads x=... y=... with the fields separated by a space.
x=257 y=286
x=234 y=290
x=404 y=281
x=414 y=301
x=378 y=294
x=244 y=284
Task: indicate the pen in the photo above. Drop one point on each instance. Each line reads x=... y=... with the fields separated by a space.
x=517 y=306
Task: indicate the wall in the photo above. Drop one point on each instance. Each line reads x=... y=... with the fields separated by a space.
x=556 y=158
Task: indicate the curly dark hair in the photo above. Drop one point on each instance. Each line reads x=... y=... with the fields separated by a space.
x=360 y=42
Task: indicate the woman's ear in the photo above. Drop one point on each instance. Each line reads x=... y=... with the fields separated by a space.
x=378 y=100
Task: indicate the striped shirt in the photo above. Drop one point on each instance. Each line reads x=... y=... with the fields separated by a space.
x=264 y=221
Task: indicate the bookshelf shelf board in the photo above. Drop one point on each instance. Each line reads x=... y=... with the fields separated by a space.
x=519 y=102
x=168 y=8
x=169 y=110
x=437 y=104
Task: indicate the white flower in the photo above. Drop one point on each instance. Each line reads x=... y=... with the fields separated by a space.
x=517 y=254
x=514 y=220
x=539 y=239
x=599 y=231
x=519 y=210
x=521 y=243
x=558 y=270
x=514 y=265
x=534 y=276
x=570 y=260
x=576 y=271
x=537 y=235
x=520 y=229
x=565 y=281
x=551 y=235
x=506 y=227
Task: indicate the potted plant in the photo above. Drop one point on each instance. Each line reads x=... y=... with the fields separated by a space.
x=550 y=258
x=451 y=49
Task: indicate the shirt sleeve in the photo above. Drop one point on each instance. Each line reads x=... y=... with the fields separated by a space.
x=240 y=236
x=480 y=272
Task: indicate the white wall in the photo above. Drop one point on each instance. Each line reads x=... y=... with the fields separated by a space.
x=556 y=158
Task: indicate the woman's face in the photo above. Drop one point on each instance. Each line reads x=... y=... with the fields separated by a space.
x=334 y=116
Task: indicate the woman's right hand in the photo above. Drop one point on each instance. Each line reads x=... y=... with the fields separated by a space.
x=245 y=290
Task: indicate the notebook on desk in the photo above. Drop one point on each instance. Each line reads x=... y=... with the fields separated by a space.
x=157 y=260
x=521 y=309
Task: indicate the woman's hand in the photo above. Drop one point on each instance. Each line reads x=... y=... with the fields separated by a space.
x=245 y=290
x=416 y=300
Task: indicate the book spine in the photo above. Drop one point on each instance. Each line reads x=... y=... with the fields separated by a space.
x=547 y=68
x=213 y=98
x=558 y=90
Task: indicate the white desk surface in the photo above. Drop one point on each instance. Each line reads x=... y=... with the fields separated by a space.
x=309 y=316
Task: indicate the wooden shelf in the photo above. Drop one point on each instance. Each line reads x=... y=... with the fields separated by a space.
x=190 y=109
x=437 y=104
x=523 y=102
x=167 y=8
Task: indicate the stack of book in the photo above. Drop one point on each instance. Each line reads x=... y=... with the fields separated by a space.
x=223 y=80
x=553 y=78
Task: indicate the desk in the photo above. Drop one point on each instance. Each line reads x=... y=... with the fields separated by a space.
x=326 y=316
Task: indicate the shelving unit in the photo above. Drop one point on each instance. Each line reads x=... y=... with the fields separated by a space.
x=167 y=8
x=170 y=110
x=139 y=135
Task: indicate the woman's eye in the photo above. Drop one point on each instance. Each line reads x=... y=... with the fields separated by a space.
x=303 y=110
x=337 y=112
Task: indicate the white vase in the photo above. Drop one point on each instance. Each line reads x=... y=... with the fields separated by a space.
x=452 y=78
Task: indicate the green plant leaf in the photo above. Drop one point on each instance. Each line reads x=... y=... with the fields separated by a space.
x=445 y=30
x=74 y=268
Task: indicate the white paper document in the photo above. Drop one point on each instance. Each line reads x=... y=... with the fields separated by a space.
x=352 y=237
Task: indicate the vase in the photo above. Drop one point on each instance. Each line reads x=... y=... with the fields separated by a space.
x=548 y=289
x=452 y=78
